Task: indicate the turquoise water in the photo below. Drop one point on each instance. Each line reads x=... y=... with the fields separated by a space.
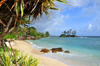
x=84 y=51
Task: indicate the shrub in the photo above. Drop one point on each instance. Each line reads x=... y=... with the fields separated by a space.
x=42 y=35
x=10 y=36
x=20 y=34
x=63 y=35
x=8 y=59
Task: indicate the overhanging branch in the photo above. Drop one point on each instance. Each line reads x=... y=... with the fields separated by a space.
x=2 y=23
x=35 y=6
x=6 y=28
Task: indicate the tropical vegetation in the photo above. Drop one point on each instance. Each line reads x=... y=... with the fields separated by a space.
x=14 y=13
x=21 y=60
x=25 y=32
x=47 y=34
x=68 y=33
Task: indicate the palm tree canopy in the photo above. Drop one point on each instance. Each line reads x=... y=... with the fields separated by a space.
x=12 y=12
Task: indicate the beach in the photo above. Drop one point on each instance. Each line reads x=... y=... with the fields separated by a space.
x=25 y=47
x=83 y=50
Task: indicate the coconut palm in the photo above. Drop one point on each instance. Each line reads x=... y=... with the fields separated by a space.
x=67 y=32
x=12 y=12
x=73 y=32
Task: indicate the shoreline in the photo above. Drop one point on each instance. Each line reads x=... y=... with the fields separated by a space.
x=26 y=47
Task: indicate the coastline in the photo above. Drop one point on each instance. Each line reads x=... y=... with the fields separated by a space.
x=25 y=47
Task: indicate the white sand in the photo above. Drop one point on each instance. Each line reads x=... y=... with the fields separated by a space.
x=27 y=48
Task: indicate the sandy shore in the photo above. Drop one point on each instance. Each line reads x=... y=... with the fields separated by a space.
x=27 y=48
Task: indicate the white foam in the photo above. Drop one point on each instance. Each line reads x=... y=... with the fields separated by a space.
x=82 y=37
x=34 y=45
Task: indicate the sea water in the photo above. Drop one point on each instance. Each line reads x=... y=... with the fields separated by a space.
x=84 y=51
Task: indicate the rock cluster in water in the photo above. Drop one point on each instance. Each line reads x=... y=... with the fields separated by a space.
x=54 y=50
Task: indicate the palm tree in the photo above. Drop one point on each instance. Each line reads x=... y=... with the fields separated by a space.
x=73 y=32
x=70 y=31
x=65 y=32
x=12 y=12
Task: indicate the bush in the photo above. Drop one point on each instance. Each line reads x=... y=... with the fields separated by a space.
x=8 y=59
x=37 y=36
x=47 y=34
x=42 y=35
x=10 y=36
x=63 y=35
x=20 y=34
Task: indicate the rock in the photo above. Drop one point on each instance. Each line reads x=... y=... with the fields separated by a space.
x=32 y=37
x=45 y=50
x=56 y=50
x=60 y=50
x=29 y=37
x=37 y=38
x=19 y=37
x=67 y=51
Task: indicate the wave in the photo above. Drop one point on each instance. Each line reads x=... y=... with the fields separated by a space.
x=83 y=37
x=34 y=45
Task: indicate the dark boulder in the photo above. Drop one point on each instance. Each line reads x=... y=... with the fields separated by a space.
x=45 y=50
x=67 y=51
x=54 y=50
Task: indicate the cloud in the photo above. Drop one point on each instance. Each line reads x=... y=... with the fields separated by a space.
x=53 y=24
x=89 y=26
x=65 y=20
x=96 y=2
x=79 y=3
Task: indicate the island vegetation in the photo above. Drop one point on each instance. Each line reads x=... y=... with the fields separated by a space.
x=68 y=33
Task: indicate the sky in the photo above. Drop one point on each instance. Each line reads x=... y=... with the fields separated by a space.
x=83 y=16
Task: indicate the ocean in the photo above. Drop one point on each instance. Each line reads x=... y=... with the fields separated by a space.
x=84 y=51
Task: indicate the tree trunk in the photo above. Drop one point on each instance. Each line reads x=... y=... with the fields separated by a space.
x=1 y=41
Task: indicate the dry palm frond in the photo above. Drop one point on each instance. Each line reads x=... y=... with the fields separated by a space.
x=20 y=8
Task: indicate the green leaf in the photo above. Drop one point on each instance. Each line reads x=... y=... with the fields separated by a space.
x=17 y=7
x=22 y=9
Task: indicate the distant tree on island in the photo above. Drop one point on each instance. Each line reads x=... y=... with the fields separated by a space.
x=65 y=32
x=47 y=34
x=69 y=33
x=74 y=33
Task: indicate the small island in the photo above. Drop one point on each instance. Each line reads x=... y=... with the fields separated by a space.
x=69 y=33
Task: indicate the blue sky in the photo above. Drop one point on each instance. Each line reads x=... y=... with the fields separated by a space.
x=83 y=16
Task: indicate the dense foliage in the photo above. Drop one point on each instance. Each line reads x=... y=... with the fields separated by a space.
x=25 y=32
x=8 y=59
x=12 y=12
x=47 y=34
x=10 y=36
